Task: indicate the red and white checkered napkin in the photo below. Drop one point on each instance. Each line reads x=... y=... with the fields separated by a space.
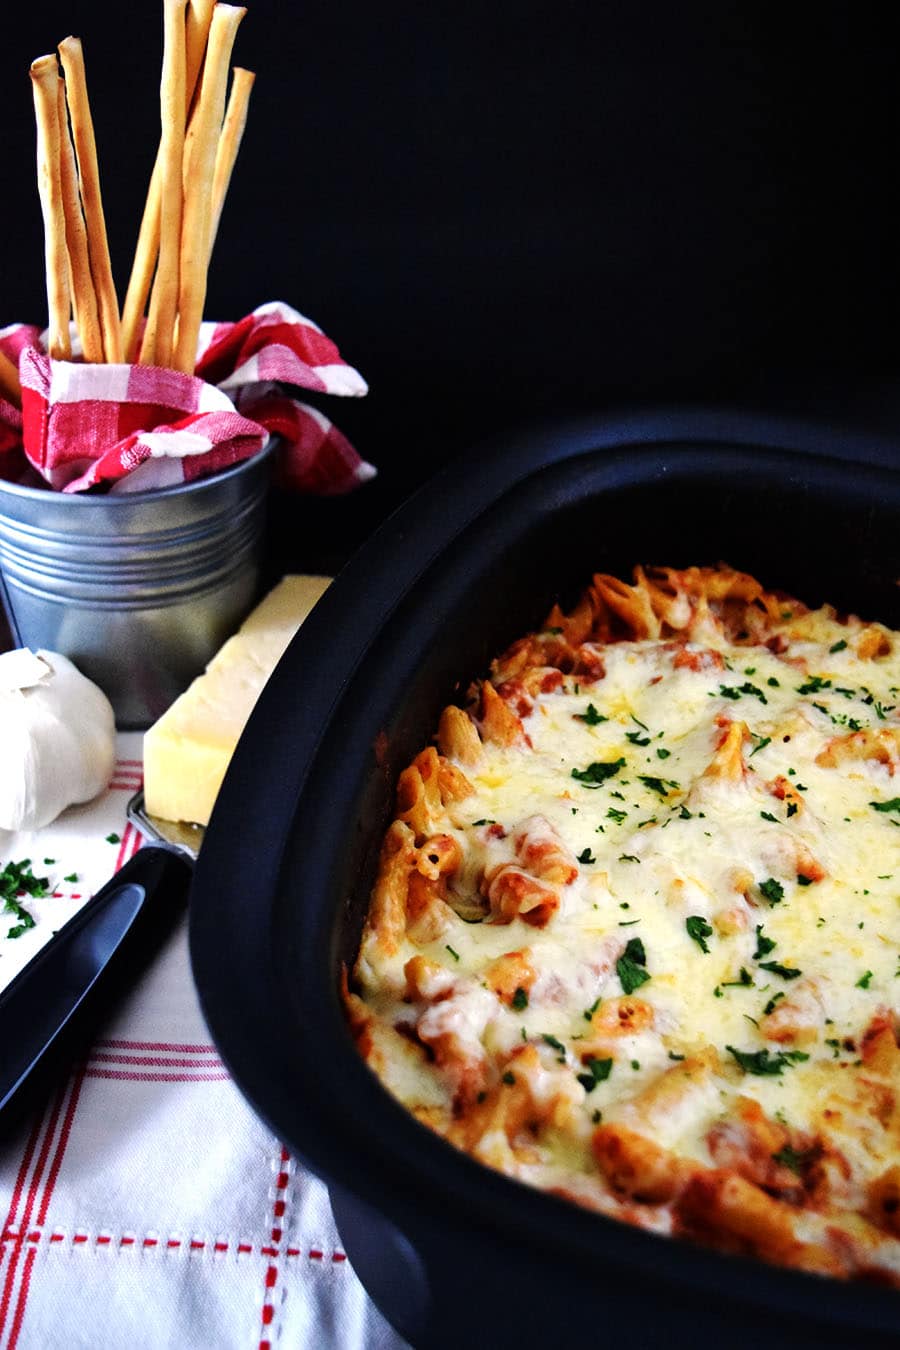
x=142 y=427
x=146 y=1206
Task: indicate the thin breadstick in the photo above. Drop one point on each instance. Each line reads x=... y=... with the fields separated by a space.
x=197 y=20
x=230 y=143
x=10 y=388
x=143 y=266
x=44 y=79
x=89 y=182
x=157 y=345
x=84 y=298
x=199 y=167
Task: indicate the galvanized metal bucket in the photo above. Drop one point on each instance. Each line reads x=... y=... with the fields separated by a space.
x=138 y=589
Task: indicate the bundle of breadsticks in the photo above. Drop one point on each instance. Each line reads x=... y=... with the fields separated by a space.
x=199 y=141
x=151 y=396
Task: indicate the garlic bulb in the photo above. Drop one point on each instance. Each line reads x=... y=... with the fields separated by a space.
x=57 y=738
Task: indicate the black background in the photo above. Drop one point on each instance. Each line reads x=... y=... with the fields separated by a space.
x=504 y=210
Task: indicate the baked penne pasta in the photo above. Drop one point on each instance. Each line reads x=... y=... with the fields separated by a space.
x=635 y=936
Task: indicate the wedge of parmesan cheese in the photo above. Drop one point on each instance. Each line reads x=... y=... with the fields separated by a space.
x=187 y=751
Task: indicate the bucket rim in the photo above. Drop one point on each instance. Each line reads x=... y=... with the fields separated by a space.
x=86 y=499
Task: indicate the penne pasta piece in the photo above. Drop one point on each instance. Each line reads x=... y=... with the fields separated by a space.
x=458 y=737
x=498 y=723
x=514 y=893
x=637 y=1167
x=511 y=973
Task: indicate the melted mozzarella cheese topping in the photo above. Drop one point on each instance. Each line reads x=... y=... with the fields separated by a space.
x=723 y=952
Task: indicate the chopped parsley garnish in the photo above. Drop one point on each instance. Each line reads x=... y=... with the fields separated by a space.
x=763 y=1062
x=793 y=1158
x=840 y=719
x=838 y=646
x=555 y=1045
x=792 y=809
x=485 y=820
x=113 y=839
x=786 y=972
x=589 y=1012
x=672 y=1055
x=628 y=857
x=773 y=683
x=509 y=1078
x=519 y=1000
x=864 y=980
x=636 y=738
x=598 y=772
x=698 y=930
x=660 y=785
x=615 y=814
x=454 y=954
x=803 y=881
x=767 y=815
x=743 y=981
x=591 y=716
x=598 y=1070
x=25 y=919
x=73 y=876
x=586 y=856
x=760 y=742
x=814 y=685
x=770 y=1006
x=772 y=890
x=662 y=752
x=631 y=966
x=737 y=691
x=893 y=804
x=16 y=879
x=764 y=944
x=685 y=814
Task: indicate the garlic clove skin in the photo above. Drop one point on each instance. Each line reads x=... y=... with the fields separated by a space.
x=57 y=738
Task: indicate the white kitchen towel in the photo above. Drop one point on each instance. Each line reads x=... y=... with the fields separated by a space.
x=146 y=1205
